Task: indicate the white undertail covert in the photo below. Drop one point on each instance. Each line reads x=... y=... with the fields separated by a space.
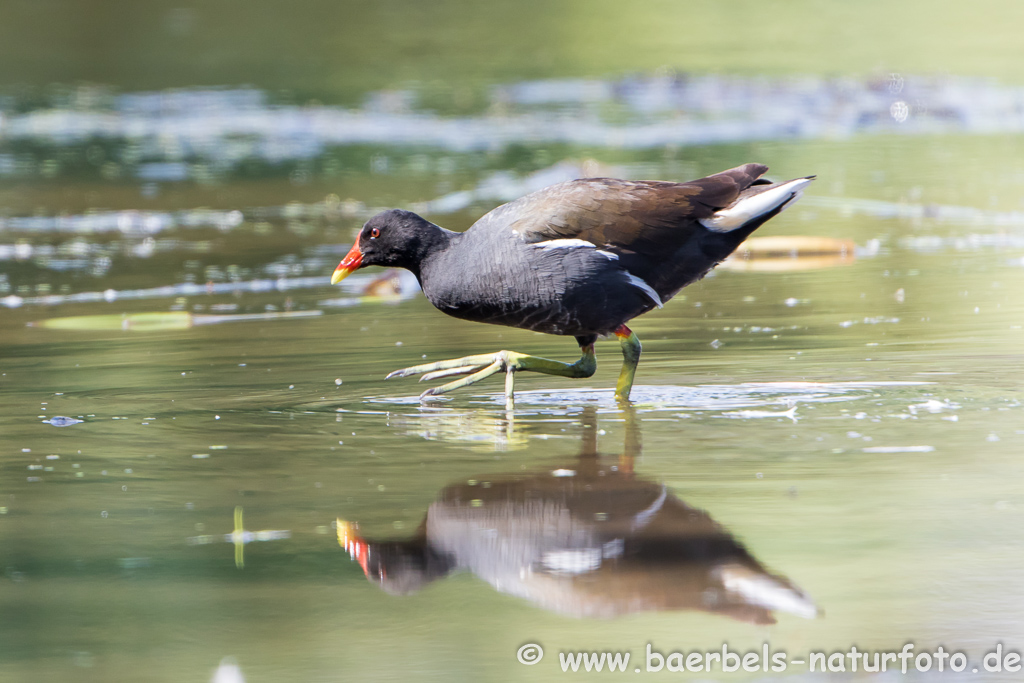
x=753 y=206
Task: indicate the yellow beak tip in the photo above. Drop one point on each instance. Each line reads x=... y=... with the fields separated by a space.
x=338 y=276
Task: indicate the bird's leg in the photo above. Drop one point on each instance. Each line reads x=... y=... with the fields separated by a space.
x=484 y=365
x=630 y=358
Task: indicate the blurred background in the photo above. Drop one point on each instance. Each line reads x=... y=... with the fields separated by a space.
x=188 y=408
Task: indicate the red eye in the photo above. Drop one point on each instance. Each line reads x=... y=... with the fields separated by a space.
x=374 y=233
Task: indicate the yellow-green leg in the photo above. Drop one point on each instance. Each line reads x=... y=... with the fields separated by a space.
x=484 y=365
x=630 y=357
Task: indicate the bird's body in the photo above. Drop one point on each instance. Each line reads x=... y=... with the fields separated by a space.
x=565 y=287
x=579 y=258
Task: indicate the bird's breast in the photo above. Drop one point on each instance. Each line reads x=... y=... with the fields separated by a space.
x=565 y=287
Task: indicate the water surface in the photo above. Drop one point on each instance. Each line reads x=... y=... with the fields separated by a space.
x=832 y=448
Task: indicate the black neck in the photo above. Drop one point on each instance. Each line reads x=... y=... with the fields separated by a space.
x=428 y=242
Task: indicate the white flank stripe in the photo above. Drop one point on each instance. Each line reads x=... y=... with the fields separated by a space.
x=749 y=208
x=566 y=244
x=575 y=244
x=648 y=290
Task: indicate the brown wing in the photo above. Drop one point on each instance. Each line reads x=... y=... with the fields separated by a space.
x=641 y=217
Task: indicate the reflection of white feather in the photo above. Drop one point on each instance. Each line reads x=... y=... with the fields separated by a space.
x=581 y=560
x=765 y=590
x=641 y=518
x=572 y=561
x=748 y=208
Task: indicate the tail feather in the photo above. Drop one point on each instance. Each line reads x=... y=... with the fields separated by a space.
x=745 y=175
x=755 y=202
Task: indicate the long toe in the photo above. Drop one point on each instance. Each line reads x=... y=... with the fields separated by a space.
x=494 y=367
x=484 y=365
x=466 y=364
x=438 y=374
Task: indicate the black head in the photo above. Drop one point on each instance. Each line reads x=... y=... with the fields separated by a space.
x=393 y=238
x=404 y=567
x=398 y=567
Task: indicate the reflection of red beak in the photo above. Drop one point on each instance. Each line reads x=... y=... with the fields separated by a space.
x=353 y=259
x=350 y=540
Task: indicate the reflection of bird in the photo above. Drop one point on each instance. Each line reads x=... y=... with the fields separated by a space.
x=587 y=539
x=578 y=258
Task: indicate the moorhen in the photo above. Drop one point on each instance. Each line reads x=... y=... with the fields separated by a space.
x=579 y=258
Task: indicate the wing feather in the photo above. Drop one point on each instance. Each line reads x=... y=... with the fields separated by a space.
x=623 y=216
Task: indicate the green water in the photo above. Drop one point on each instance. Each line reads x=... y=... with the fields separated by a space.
x=890 y=497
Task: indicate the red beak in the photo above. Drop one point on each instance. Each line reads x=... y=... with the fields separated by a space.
x=353 y=259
